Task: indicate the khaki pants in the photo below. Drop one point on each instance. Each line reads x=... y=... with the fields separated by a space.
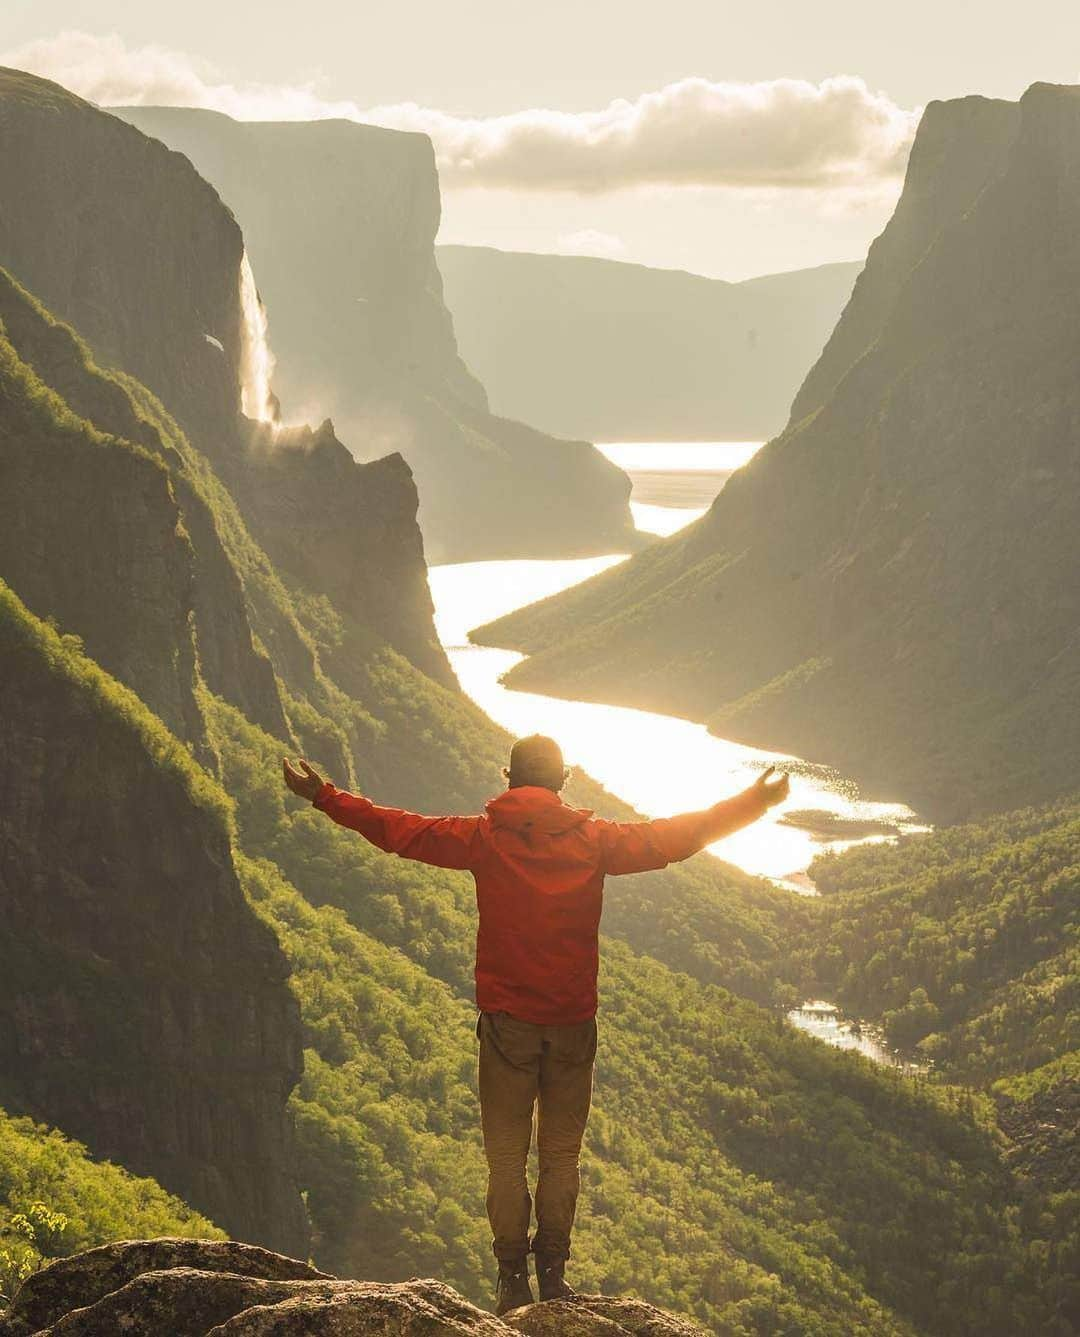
x=523 y=1066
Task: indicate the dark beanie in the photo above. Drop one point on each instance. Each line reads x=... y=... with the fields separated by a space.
x=536 y=760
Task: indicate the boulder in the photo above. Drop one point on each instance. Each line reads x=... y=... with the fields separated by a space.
x=419 y=1308
x=210 y=1288
x=84 y=1278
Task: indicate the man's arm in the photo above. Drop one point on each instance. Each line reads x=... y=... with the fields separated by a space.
x=445 y=842
x=636 y=847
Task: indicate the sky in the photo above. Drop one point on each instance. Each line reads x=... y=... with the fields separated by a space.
x=727 y=139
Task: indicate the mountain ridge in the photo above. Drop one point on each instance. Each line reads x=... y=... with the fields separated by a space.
x=625 y=352
x=887 y=586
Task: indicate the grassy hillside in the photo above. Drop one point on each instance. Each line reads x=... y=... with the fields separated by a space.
x=619 y=352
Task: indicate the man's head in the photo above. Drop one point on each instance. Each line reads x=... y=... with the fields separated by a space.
x=536 y=760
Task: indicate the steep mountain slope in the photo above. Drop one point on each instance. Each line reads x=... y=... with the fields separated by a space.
x=340 y=220
x=620 y=352
x=890 y=585
x=144 y=1009
x=105 y=530
x=142 y=202
x=87 y=237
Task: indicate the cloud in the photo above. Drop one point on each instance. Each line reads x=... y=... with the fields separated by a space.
x=589 y=241
x=836 y=135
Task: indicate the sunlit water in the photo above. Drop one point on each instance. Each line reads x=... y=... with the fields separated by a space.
x=660 y=764
x=824 y=1022
x=675 y=481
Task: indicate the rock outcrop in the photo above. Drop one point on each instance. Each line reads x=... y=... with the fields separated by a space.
x=143 y=1006
x=335 y=527
x=612 y=351
x=340 y=222
x=188 y=1288
x=890 y=586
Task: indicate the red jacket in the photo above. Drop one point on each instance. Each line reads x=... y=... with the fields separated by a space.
x=539 y=867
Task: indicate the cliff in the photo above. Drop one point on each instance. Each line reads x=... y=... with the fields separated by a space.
x=890 y=585
x=340 y=222
x=143 y=1007
x=87 y=237
x=620 y=352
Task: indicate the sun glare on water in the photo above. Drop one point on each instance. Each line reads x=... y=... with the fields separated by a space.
x=660 y=764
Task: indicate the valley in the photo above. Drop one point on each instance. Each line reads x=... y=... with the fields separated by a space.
x=223 y=1015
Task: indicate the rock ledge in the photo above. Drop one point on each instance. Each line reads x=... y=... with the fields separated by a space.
x=210 y=1288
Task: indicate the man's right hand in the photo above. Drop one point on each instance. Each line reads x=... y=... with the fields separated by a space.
x=772 y=791
x=304 y=783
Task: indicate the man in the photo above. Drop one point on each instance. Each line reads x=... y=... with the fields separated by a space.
x=539 y=867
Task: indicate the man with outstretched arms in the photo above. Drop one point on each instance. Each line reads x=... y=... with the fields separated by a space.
x=539 y=867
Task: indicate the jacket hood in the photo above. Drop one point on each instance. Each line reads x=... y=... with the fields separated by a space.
x=531 y=807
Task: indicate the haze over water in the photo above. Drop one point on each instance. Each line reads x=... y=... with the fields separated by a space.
x=658 y=763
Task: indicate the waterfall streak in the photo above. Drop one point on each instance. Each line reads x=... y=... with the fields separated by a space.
x=256 y=359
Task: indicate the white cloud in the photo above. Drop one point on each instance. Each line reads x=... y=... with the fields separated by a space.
x=780 y=134
x=590 y=241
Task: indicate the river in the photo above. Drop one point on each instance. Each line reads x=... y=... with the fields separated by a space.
x=660 y=764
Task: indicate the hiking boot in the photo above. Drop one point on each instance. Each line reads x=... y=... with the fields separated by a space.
x=549 y=1274
x=512 y=1290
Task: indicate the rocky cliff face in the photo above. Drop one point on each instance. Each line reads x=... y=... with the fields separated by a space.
x=143 y=1007
x=340 y=222
x=960 y=146
x=124 y=240
x=345 y=530
x=89 y=238
x=891 y=585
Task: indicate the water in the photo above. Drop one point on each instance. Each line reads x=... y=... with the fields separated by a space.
x=823 y=1021
x=660 y=764
x=257 y=360
x=675 y=481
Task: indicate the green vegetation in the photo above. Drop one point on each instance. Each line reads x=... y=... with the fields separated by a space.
x=56 y=1199
x=790 y=1185
x=62 y=656
x=735 y=1170
x=964 y=944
